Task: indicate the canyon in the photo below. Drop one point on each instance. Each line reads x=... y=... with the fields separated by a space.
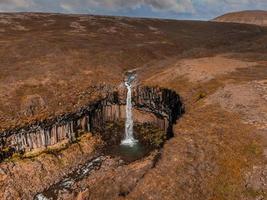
x=163 y=103
x=151 y=105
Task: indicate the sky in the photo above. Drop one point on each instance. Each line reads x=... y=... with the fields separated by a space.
x=174 y=9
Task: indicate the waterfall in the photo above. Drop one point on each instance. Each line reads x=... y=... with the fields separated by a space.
x=129 y=137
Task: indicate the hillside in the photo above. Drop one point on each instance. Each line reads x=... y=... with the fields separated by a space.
x=245 y=17
x=53 y=63
x=44 y=55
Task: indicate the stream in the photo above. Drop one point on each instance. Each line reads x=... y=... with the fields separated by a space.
x=66 y=183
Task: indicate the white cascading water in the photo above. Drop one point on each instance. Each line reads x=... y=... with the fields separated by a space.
x=129 y=137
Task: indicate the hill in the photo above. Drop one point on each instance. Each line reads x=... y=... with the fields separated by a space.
x=256 y=17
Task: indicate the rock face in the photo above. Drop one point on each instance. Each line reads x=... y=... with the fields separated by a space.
x=256 y=17
x=163 y=103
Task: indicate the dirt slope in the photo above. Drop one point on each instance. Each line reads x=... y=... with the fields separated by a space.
x=256 y=17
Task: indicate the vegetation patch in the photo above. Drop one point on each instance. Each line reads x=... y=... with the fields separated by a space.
x=201 y=95
x=150 y=135
x=146 y=133
x=255 y=194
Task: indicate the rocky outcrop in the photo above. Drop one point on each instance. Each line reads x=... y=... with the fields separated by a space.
x=163 y=103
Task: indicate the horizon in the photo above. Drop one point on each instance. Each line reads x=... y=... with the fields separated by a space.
x=169 y=9
x=126 y=16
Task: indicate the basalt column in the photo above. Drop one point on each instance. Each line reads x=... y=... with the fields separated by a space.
x=164 y=105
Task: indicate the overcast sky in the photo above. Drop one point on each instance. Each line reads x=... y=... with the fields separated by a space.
x=177 y=9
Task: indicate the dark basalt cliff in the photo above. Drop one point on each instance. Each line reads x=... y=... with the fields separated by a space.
x=165 y=104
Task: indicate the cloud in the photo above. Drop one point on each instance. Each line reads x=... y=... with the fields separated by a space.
x=217 y=7
x=201 y=9
x=78 y=5
x=185 y=6
x=157 y=5
x=16 y=4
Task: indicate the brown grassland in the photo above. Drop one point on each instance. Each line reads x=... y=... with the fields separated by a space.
x=49 y=63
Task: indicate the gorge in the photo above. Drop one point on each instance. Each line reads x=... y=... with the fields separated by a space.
x=144 y=105
x=163 y=103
